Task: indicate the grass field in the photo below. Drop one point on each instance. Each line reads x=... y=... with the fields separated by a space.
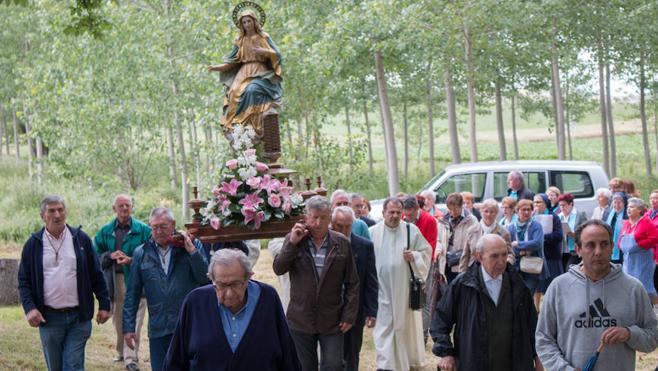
x=20 y=348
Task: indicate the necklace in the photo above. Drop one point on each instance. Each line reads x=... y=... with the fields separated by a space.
x=52 y=245
x=163 y=256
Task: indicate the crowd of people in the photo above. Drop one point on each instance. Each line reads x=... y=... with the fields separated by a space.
x=528 y=282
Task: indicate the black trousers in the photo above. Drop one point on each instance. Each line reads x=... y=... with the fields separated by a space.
x=352 y=347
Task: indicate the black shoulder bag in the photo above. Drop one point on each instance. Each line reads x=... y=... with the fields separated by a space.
x=416 y=296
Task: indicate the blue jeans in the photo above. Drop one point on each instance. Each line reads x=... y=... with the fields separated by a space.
x=63 y=338
x=158 y=348
x=331 y=350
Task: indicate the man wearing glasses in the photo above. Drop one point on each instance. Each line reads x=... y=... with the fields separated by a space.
x=236 y=323
x=166 y=273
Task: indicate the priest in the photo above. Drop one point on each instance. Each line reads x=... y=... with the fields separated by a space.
x=398 y=332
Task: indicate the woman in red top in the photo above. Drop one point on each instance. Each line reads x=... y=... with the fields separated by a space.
x=637 y=240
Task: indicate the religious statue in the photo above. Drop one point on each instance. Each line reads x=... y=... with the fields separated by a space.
x=251 y=74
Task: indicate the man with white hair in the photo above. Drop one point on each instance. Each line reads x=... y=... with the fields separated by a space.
x=115 y=243
x=166 y=268
x=492 y=314
x=359 y=227
x=517 y=189
x=364 y=258
x=235 y=323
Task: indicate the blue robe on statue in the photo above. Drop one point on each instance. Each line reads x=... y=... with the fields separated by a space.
x=199 y=342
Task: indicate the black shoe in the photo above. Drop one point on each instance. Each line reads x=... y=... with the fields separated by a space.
x=132 y=367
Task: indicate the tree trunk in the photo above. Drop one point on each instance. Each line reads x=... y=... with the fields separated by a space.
x=30 y=147
x=405 y=122
x=502 y=154
x=349 y=136
x=387 y=122
x=430 y=120
x=7 y=140
x=602 y=110
x=470 y=87
x=371 y=170
x=611 y=124
x=307 y=135
x=452 y=118
x=208 y=137
x=39 y=160
x=185 y=211
x=3 y=125
x=643 y=116
x=16 y=142
x=183 y=163
x=557 y=90
x=655 y=130
x=173 y=171
x=514 y=138
x=194 y=150
x=567 y=123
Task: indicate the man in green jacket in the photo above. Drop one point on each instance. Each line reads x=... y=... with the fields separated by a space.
x=115 y=243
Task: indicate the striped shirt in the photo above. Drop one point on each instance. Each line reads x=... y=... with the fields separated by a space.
x=318 y=254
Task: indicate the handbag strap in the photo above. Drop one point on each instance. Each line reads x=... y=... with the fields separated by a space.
x=413 y=277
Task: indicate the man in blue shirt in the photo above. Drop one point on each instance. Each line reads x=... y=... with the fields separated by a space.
x=166 y=273
x=234 y=324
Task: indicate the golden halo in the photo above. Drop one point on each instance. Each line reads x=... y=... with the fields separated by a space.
x=248 y=5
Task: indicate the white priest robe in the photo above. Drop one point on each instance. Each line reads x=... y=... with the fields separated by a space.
x=398 y=333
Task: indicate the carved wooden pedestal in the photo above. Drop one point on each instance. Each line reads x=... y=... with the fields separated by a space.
x=271 y=229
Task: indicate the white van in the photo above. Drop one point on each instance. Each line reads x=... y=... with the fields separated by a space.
x=489 y=180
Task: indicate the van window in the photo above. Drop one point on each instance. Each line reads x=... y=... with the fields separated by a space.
x=534 y=180
x=473 y=183
x=578 y=183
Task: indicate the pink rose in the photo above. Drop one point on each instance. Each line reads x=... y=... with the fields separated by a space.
x=214 y=222
x=254 y=182
x=232 y=164
x=274 y=200
x=261 y=167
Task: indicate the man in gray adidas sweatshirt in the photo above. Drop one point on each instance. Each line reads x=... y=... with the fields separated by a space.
x=593 y=303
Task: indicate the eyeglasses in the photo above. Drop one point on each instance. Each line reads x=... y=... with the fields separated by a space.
x=160 y=227
x=233 y=286
x=346 y=203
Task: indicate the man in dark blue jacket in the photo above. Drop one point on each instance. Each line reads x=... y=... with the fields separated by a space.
x=166 y=273
x=235 y=323
x=364 y=258
x=58 y=275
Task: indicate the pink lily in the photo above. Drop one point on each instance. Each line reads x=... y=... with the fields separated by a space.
x=232 y=187
x=251 y=201
x=250 y=215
